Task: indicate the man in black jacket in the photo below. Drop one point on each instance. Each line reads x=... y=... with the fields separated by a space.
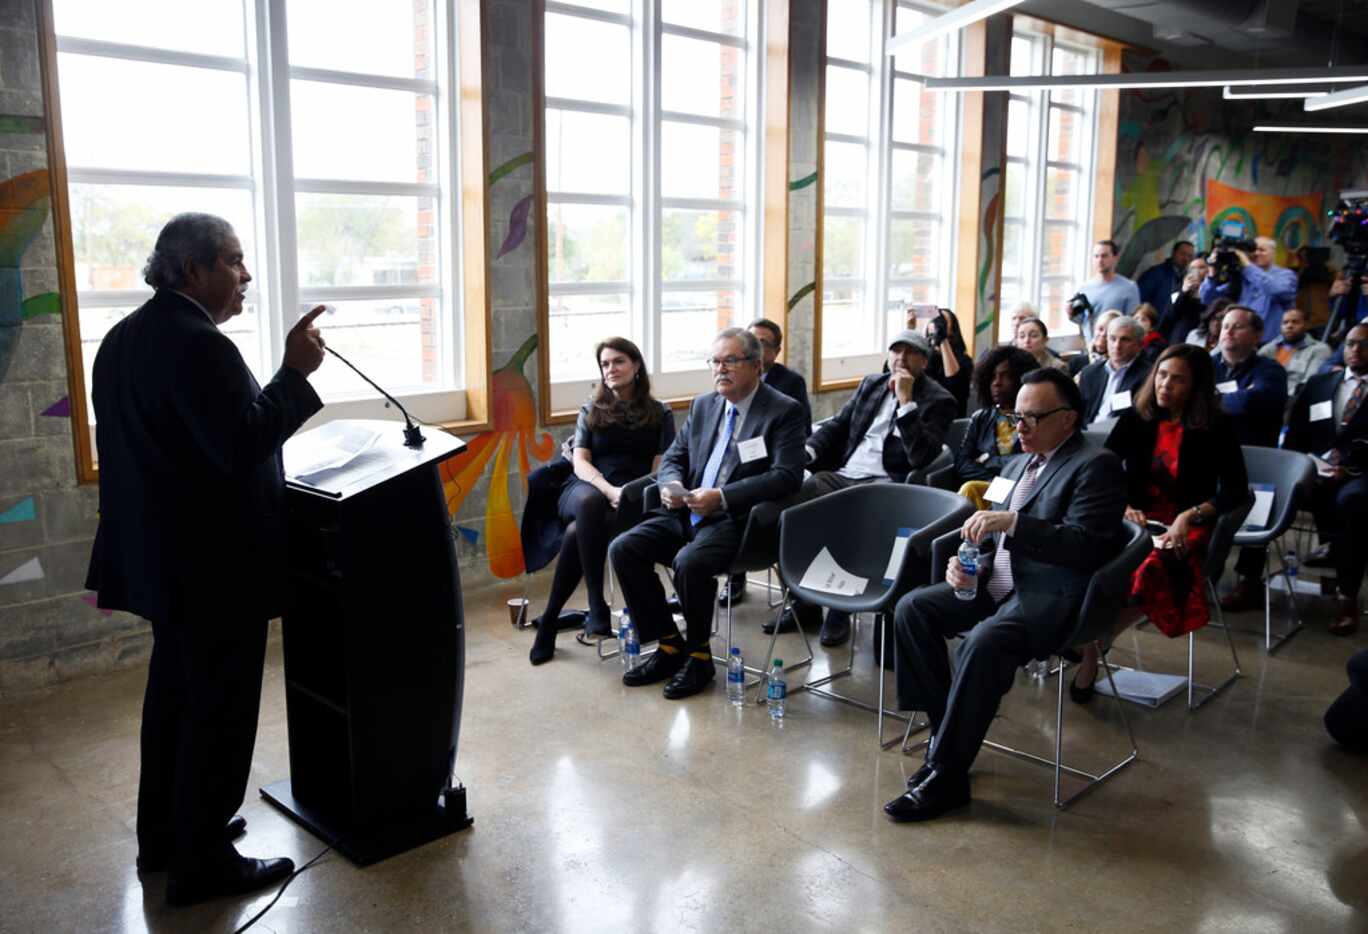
x=191 y=538
x=741 y=445
x=1330 y=422
x=1108 y=385
x=894 y=424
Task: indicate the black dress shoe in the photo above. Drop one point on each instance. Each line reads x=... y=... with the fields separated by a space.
x=1320 y=558
x=598 y=626
x=919 y=776
x=939 y=794
x=689 y=680
x=157 y=861
x=835 y=628
x=661 y=666
x=673 y=604
x=237 y=875
x=787 y=623
x=735 y=586
x=1080 y=694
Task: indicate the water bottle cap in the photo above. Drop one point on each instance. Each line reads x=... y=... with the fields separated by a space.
x=736 y=650
x=778 y=663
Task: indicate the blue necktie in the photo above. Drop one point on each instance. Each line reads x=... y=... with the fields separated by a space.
x=714 y=465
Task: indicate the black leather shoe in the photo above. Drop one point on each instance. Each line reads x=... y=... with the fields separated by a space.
x=787 y=623
x=938 y=794
x=691 y=679
x=736 y=586
x=236 y=876
x=661 y=666
x=159 y=861
x=1320 y=558
x=919 y=776
x=673 y=605
x=1080 y=694
x=596 y=626
x=835 y=628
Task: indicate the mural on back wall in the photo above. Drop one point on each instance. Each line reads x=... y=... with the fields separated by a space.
x=24 y=203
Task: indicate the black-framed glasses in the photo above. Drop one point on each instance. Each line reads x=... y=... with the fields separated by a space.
x=1032 y=420
x=725 y=363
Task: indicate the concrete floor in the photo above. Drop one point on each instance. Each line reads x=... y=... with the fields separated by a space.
x=599 y=808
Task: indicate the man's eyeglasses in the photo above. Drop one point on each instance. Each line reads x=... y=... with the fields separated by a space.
x=1355 y=343
x=1032 y=420
x=725 y=363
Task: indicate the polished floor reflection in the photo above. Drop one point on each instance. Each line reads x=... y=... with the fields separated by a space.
x=601 y=808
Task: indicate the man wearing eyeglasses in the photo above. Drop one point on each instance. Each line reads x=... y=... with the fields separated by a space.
x=894 y=424
x=1330 y=422
x=1056 y=519
x=740 y=446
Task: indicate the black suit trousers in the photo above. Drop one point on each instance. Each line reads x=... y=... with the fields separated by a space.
x=696 y=556
x=198 y=730
x=998 y=639
x=1341 y=511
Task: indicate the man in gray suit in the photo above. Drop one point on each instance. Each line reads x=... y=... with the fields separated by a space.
x=741 y=445
x=1056 y=525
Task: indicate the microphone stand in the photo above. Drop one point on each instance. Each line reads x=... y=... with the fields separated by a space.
x=413 y=437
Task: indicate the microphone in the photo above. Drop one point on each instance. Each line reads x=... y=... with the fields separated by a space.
x=413 y=437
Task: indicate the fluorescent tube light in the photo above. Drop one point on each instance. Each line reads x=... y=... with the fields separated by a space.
x=1339 y=99
x=1153 y=79
x=1312 y=129
x=1238 y=92
x=950 y=22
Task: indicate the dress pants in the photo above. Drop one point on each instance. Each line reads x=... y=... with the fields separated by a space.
x=1341 y=511
x=198 y=730
x=998 y=640
x=696 y=554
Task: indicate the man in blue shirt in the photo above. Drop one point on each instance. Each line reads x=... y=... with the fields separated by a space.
x=1253 y=393
x=1109 y=290
x=1268 y=289
x=1163 y=281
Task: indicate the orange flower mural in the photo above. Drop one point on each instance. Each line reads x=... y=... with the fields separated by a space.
x=515 y=422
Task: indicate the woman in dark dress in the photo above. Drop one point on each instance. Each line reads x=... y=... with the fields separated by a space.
x=621 y=433
x=1184 y=469
x=950 y=364
x=991 y=439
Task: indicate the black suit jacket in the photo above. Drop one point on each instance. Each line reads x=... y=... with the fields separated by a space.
x=794 y=386
x=1320 y=436
x=922 y=431
x=1092 y=382
x=773 y=416
x=191 y=479
x=979 y=439
x=1210 y=465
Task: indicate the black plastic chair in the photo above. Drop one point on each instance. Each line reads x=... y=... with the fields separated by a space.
x=859 y=525
x=1097 y=619
x=945 y=478
x=1292 y=475
x=921 y=476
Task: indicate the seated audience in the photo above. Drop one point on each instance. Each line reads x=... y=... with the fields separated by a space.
x=893 y=424
x=1033 y=337
x=1183 y=470
x=1107 y=385
x=1254 y=394
x=1153 y=342
x=1184 y=314
x=1347 y=719
x=621 y=433
x=950 y=365
x=991 y=438
x=1208 y=331
x=1330 y=422
x=1022 y=312
x=1296 y=351
x=1059 y=524
x=1097 y=349
x=741 y=445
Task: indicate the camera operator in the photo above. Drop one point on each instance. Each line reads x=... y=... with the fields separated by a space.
x=1109 y=290
x=1341 y=287
x=1161 y=284
x=950 y=363
x=1266 y=288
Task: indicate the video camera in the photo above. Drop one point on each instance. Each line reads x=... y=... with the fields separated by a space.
x=1227 y=237
x=1349 y=229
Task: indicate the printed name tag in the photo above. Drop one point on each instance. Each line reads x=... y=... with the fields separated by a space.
x=982 y=458
x=1322 y=410
x=1227 y=387
x=999 y=490
x=1120 y=401
x=751 y=450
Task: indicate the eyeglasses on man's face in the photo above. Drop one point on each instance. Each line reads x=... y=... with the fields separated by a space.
x=1032 y=420
x=725 y=363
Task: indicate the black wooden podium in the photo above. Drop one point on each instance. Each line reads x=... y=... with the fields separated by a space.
x=374 y=642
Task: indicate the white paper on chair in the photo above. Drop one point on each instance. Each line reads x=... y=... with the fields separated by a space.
x=825 y=575
x=1323 y=467
x=895 y=558
x=1147 y=688
x=1262 y=508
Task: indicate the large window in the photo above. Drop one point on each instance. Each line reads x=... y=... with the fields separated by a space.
x=888 y=182
x=323 y=132
x=651 y=178
x=1050 y=155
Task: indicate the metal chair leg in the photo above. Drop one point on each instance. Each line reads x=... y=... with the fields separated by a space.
x=1210 y=691
x=769 y=653
x=1273 y=643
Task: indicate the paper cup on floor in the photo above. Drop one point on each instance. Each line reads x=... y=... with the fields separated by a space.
x=517 y=611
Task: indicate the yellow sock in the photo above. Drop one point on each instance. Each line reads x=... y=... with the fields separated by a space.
x=701 y=656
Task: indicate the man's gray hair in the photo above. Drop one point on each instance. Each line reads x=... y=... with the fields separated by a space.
x=750 y=344
x=1136 y=329
x=190 y=236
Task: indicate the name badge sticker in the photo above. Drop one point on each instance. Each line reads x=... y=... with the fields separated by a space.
x=751 y=450
x=1120 y=401
x=1322 y=410
x=1228 y=386
x=999 y=490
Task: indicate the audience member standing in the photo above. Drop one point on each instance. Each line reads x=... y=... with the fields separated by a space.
x=1107 y=385
x=1161 y=284
x=1185 y=313
x=950 y=363
x=1109 y=290
x=1296 y=351
x=1267 y=289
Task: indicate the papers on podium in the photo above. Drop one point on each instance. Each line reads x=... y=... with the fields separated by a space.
x=327 y=448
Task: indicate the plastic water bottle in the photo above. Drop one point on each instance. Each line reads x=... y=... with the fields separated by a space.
x=969 y=562
x=623 y=620
x=776 y=690
x=1292 y=564
x=736 y=677
x=631 y=646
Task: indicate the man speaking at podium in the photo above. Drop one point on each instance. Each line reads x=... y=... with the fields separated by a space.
x=191 y=538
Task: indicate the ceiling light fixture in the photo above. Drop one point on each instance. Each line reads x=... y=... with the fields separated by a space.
x=1339 y=99
x=1243 y=92
x=1153 y=79
x=1312 y=129
x=950 y=22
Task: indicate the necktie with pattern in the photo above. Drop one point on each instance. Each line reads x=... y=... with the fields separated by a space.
x=1351 y=405
x=1000 y=583
x=719 y=451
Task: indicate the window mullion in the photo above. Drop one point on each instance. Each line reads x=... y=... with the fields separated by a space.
x=648 y=309
x=275 y=72
x=877 y=273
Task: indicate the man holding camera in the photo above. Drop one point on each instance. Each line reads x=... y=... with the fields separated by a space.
x=1266 y=288
x=1330 y=422
x=1341 y=287
x=1109 y=290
